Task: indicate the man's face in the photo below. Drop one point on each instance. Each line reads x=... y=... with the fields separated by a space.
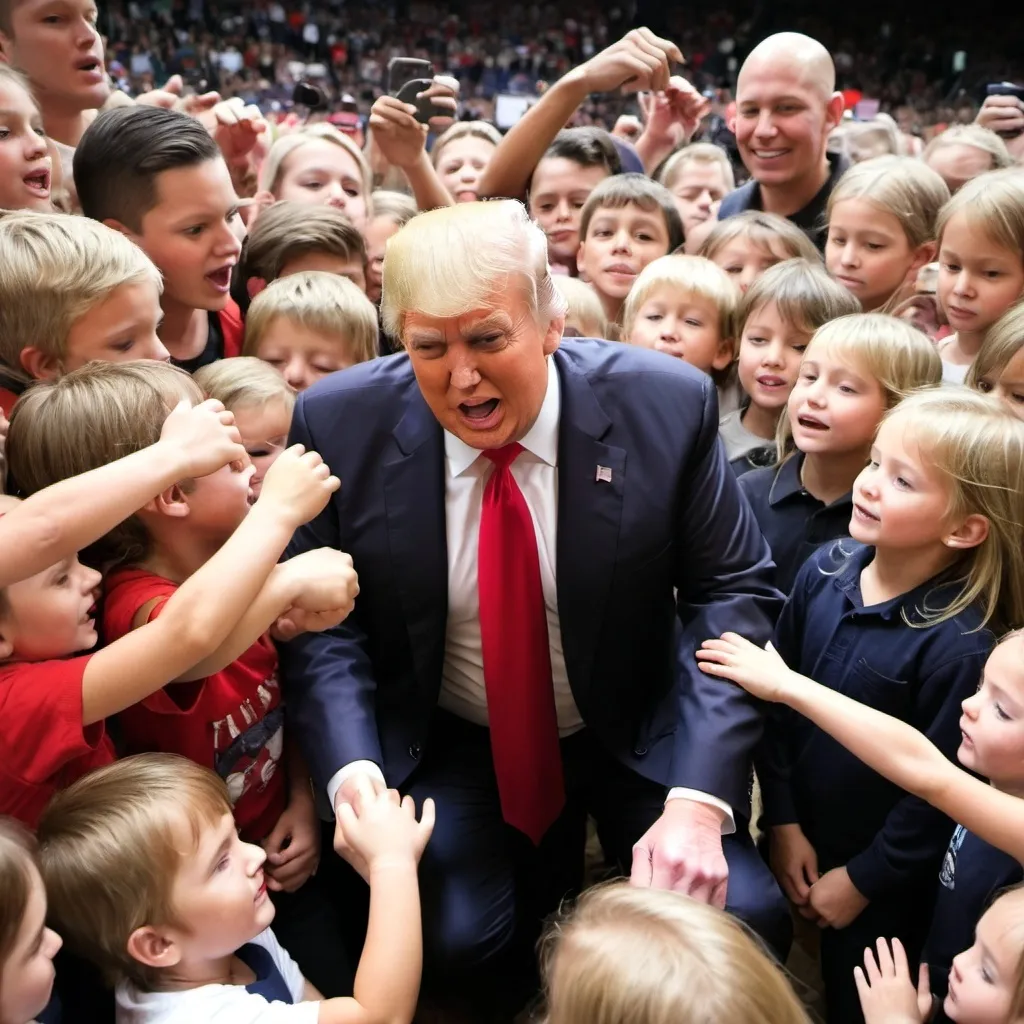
x=782 y=121
x=56 y=45
x=484 y=374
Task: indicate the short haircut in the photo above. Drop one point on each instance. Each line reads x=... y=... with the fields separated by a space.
x=994 y=203
x=111 y=846
x=689 y=275
x=124 y=151
x=244 y=381
x=54 y=269
x=1003 y=340
x=465 y=129
x=395 y=206
x=975 y=136
x=324 y=303
x=17 y=864
x=802 y=292
x=696 y=153
x=767 y=231
x=585 y=313
x=449 y=261
x=634 y=190
x=588 y=147
x=89 y=417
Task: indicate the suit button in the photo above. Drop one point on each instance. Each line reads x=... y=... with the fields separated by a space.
x=640 y=751
x=414 y=751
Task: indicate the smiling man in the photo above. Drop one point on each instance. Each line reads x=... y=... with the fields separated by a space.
x=543 y=531
x=786 y=106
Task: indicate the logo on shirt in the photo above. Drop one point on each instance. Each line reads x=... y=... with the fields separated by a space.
x=947 y=875
x=248 y=743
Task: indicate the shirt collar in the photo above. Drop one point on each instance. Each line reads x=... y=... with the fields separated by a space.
x=540 y=440
x=787 y=480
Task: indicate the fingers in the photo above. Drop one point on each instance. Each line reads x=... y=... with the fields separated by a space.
x=642 y=869
x=899 y=958
x=886 y=968
x=863 y=989
x=427 y=817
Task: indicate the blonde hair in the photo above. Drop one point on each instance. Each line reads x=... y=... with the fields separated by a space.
x=449 y=261
x=395 y=206
x=111 y=847
x=625 y=955
x=244 y=381
x=89 y=417
x=979 y=447
x=55 y=268
x=802 y=292
x=766 y=231
x=1003 y=340
x=994 y=203
x=696 y=153
x=273 y=165
x=12 y=76
x=18 y=863
x=973 y=135
x=869 y=140
x=690 y=275
x=1015 y=893
x=898 y=356
x=323 y=303
x=585 y=312
x=902 y=186
x=462 y=130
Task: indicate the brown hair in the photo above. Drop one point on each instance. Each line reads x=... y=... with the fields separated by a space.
x=802 y=292
x=111 y=846
x=767 y=231
x=623 y=190
x=17 y=864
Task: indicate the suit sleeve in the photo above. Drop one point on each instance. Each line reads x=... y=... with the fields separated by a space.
x=724 y=578
x=328 y=677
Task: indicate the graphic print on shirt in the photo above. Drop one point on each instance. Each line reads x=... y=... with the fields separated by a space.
x=947 y=874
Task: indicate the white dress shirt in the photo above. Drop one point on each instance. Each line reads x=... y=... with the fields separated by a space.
x=463 y=691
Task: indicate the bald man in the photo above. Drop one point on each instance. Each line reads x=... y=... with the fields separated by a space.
x=786 y=105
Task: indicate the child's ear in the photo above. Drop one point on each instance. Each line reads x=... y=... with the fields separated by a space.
x=171 y=502
x=969 y=534
x=725 y=354
x=254 y=286
x=923 y=255
x=37 y=364
x=118 y=226
x=150 y=947
x=580 y=253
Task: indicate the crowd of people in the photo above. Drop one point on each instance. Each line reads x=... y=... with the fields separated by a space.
x=396 y=508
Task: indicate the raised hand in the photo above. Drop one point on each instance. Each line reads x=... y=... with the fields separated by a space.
x=675 y=114
x=297 y=486
x=204 y=436
x=639 y=60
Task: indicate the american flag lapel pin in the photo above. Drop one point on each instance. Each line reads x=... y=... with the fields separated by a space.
x=604 y=475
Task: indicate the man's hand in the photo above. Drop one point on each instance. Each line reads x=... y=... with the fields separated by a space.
x=639 y=60
x=836 y=900
x=794 y=864
x=1004 y=114
x=682 y=851
x=349 y=791
x=887 y=994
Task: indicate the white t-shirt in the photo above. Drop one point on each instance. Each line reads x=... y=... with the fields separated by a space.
x=221 y=1004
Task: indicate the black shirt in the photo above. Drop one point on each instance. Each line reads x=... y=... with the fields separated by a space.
x=213 y=351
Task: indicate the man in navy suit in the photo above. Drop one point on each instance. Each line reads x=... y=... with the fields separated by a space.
x=543 y=534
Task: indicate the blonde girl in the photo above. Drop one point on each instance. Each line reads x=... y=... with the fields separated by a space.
x=854 y=369
x=461 y=155
x=25 y=161
x=939 y=517
x=963 y=152
x=881 y=228
x=27 y=946
x=625 y=955
x=981 y=262
x=319 y=165
x=746 y=245
x=998 y=368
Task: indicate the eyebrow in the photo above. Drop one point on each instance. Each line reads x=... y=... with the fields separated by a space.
x=221 y=850
x=190 y=217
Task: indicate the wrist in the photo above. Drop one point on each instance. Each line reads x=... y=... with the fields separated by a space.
x=696 y=813
x=174 y=461
x=573 y=84
x=392 y=864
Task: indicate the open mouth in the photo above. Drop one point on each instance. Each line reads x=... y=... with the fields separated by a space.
x=862 y=513
x=220 y=278
x=810 y=423
x=90 y=616
x=479 y=411
x=90 y=64
x=769 y=380
x=38 y=181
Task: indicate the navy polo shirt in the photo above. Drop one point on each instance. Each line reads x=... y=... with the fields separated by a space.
x=793 y=521
x=888 y=840
x=269 y=982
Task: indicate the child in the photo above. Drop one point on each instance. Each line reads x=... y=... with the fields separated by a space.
x=585 y=317
x=186 y=935
x=158 y=177
x=71 y=291
x=981 y=263
x=627 y=222
x=881 y=228
x=624 y=955
x=25 y=162
x=391 y=211
x=320 y=166
x=27 y=946
x=963 y=152
x=261 y=401
x=698 y=176
x=685 y=307
x=309 y=325
x=777 y=317
x=853 y=370
x=998 y=369
x=896 y=621
x=460 y=157
x=746 y=245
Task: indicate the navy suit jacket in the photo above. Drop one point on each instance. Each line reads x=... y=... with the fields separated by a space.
x=649 y=564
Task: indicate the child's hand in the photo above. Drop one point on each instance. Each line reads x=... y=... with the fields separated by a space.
x=794 y=863
x=381 y=828
x=836 y=900
x=297 y=486
x=293 y=848
x=205 y=437
x=322 y=588
x=887 y=995
x=762 y=673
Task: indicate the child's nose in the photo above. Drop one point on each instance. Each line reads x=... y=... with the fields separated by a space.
x=256 y=856
x=669 y=329
x=621 y=241
x=850 y=256
x=563 y=211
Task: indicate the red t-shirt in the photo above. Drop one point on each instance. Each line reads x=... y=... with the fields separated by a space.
x=43 y=744
x=231 y=722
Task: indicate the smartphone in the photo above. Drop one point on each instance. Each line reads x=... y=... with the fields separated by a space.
x=403 y=70
x=306 y=95
x=1006 y=89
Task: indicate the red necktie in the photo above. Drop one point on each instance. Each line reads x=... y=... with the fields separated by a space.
x=517 y=659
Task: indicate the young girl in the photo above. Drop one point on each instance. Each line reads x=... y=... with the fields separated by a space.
x=853 y=370
x=746 y=245
x=585 y=317
x=999 y=366
x=27 y=946
x=981 y=262
x=25 y=161
x=391 y=212
x=881 y=228
x=460 y=157
x=625 y=955
x=895 y=622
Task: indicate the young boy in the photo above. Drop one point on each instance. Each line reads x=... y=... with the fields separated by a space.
x=186 y=935
x=627 y=222
x=71 y=291
x=309 y=325
x=158 y=177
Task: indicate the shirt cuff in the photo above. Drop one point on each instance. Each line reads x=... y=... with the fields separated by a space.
x=338 y=778
x=679 y=793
